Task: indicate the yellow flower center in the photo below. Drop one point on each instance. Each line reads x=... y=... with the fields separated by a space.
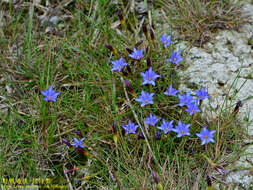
x=49 y=97
x=146 y=101
x=174 y=59
x=166 y=129
x=130 y=131
x=149 y=78
x=138 y=57
x=165 y=42
x=119 y=67
x=206 y=137
x=182 y=131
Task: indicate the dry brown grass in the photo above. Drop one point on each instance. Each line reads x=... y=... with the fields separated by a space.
x=196 y=20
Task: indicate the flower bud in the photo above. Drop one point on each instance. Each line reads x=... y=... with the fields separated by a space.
x=208 y=181
x=140 y=135
x=65 y=141
x=138 y=43
x=108 y=46
x=129 y=50
x=145 y=30
x=147 y=49
x=124 y=72
x=158 y=136
x=78 y=133
x=114 y=127
x=148 y=62
x=155 y=177
x=85 y=122
x=123 y=132
x=238 y=105
x=120 y=16
x=191 y=152
x=129 y=87
x=128 y=68
x=115 y=136
x=152 y=35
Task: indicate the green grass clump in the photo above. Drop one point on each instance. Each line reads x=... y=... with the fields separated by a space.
x=93 y=99
x=196 y=20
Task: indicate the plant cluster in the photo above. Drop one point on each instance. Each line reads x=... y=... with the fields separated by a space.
x=157 y=80
x=186 y=100
x=106 y=117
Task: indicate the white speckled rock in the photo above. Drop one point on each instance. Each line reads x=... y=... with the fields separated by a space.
x=243 y=176
x=216 y=67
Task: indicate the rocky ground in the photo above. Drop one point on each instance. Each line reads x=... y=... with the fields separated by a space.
x=225 y=67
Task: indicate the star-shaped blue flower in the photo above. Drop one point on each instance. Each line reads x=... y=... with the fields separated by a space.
x=118 y=65
x=192 y=108
x=149 y=77
x=185 y=99
x=175 y=57
x=130 y=128
x=152 y=120
x=182 y=129
x=78 y=143
x=206 y=136
x=202 y=94
x=145 y=98
x=50 y=94
x=171 y=91
x=166 y=126
x=166 y=40
x=137 y=54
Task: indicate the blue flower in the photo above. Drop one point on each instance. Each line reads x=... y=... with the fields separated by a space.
x=118 y=65
x=171 y=91
x=78 y=143
x=152 y=120
x=130 y=128
x=206 y=136
x=149 y=77
x=145 y=98
x=192 y=108
x=185 y=99
x=175 y=57
x=166 y=40
x=182 y=129
x=202 y=94
x=158 y=136
x=50 y=94
x=166 y=126
x=137 y=54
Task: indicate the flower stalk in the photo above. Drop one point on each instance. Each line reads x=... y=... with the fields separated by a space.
x=115 y=133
